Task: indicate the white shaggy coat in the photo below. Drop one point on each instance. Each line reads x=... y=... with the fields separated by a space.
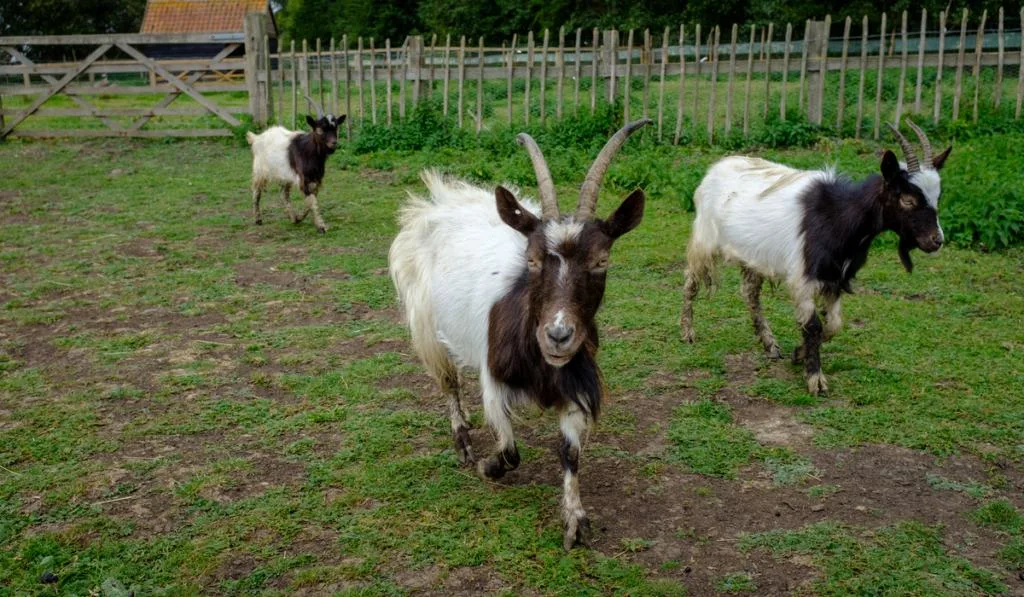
x=270 y=156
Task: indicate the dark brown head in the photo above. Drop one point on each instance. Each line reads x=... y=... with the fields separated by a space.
x=910 y=196
x=324 y=127
x=567 y=255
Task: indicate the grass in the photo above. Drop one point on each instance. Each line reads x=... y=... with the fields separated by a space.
x=190 y=404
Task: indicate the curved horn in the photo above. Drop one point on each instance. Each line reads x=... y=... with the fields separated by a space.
x=592 y=183
x=545 y=186
x=926 y=145
x=908 y=150
x=316 y=106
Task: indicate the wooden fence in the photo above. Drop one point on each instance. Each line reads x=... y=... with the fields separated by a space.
x=693 y=82
x=689 y=80
x=121 y=83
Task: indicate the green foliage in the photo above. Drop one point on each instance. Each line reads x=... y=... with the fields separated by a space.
x=737 y=582
x=795 y=131
x=424 y=128
x=1001 y=515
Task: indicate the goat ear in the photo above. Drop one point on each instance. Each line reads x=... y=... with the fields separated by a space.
x=941 y=158
x=627 y=216
x=890 y=166
x=310 y=121
x=341 y=119
x=514 y=214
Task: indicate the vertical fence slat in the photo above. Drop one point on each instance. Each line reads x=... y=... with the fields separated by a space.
x=319 y=71
x=560 y=65
x=447 y=72
x=627 y=85
x=373 y=80
x=334 y=78
x=348 y=89
x=920 y=60
x=768 y=69
x=402 y=74
x=578 y=71
x=646 y=62
x=529 y=77
x=998 y=96
x=697 y=66
x=938 y=71
x=511 y=73
x=903 y=69
x=823 y=72
x=295 y=90
x=1020 y=76
x=863 y=75
x=803 y=66
x=304 y=67
x=594 y=72
x=732 y=74
x=544 y=75
x=430 y=65
x=977 y=65
x=961 y=50
x=713 y=51
x=746 y=91
x=359 y=78
x=682 y=85
x=785 y=72
x=614 y=65
x=661 y=80
x=459 y=107
x=480 y=88
x=268 y=68
x=841 y=98
x=387 y=65
x=280 y=80
x=878 y=81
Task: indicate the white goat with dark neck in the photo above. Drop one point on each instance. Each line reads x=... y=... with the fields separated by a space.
x=494 y=283
x=811 y=230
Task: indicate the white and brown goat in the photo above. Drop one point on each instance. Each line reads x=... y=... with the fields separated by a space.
x=812 y=231
x=493 y=283
x=294 y=158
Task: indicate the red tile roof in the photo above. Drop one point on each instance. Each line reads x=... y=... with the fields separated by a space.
x=199 y=16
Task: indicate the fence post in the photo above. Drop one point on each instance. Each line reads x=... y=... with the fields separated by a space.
x=414 y=66
x=255 y=53
x=816 y=39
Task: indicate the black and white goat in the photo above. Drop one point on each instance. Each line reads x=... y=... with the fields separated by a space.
x=294 y=158
x=811 y=230
x=494 y=283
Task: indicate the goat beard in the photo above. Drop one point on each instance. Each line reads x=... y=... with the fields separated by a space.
x=904 y=250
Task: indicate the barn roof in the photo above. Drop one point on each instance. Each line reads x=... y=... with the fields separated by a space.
x=201 y=16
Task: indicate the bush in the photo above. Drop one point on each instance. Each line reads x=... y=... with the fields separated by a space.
x=424 y=128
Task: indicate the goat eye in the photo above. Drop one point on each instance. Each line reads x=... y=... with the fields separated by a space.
x=907 y=202
x=533 y=264
x=601 y=264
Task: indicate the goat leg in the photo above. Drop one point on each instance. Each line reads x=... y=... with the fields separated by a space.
x=577 y=525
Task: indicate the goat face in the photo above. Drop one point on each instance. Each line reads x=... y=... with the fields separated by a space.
x=910 y=195
x=325 y=129
x=566 y=261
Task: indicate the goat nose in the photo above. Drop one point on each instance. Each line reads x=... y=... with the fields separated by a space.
x=559 y=333
x=937 y=239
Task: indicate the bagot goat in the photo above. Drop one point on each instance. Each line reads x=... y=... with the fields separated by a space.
x=494 y=283
x=294 y=158
x=811 y=230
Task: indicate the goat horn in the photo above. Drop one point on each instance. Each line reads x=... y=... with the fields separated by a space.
x=926 y=145
x=316 y=106
x=545 y=186
x=908 y=150
x=592 y=183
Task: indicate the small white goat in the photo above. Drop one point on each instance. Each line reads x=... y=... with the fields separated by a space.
x=294 y=158
x=809 y=229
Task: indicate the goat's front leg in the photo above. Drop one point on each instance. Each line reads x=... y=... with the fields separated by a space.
x=496 y=397
x=577 y=525
x=810 y=351
x=460 y=426
x=833 y=317
x=311 y=205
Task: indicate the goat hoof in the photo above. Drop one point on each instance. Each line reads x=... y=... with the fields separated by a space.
x=816 y=383
x=577 y=532
x=774 y=353
x=687 y=336
x=259 y=221
x=321 y=229
x=798 y=355
x=491 y=469
x=463 y=446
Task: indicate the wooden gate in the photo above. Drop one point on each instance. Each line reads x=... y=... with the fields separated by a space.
x=136 y=84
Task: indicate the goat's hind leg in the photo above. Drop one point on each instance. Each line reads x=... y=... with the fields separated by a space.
x=700 y=267
x=257 y=192
x=497 y=397
x=690 y=288
x=751 y=290
x=286 y=191
x=577 y=526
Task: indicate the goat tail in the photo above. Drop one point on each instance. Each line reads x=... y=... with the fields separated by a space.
x=250 y=137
